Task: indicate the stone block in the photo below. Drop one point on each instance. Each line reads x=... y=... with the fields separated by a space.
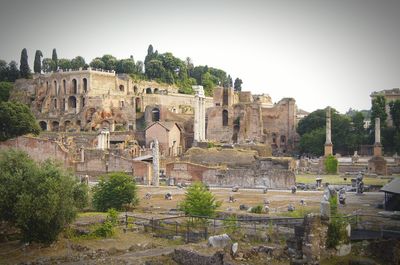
x=219 y=241
x=325 y=210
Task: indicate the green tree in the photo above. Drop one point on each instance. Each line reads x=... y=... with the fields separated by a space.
x=78 y=62
x=331 y=164
x=48 y=65
x=378 y=110
x=5 y=88
x=55 y=60
x=81 y=195
x=238 y=84
x=110 y=62
x=113 y=191
x=97 y=63
x=3 y=71
x=16 y=119
x=37 y=199
x=24 y=66
x=313 y=142
x=64 y=64
x=13 y=72
x=37 y=65
x=395 y=113
x=199 y=201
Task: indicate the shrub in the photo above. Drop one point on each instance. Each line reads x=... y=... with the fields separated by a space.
x=81 y=195
x=37 y=199
x=336 y=232
x=257 y=209
x=331 y=164
x=118 y=190
x=230 y=224
x=107 y=229
x=199 y=201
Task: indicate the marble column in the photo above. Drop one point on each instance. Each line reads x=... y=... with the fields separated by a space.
x=328 y=140
x=156 y=163
x=377 y=145
x=199 y=115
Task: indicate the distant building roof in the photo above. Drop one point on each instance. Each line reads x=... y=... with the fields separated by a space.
x=394 y=91
x=393 y=186
x=168 y=125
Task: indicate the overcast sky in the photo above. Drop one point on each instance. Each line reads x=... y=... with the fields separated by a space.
x=319 y=52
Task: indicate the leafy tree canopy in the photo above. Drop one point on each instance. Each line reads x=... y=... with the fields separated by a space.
x=5 y=89
x=199 y=201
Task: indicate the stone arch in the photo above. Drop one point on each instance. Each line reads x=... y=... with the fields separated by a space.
x=148 y=90
x=55 y=103
x=155 y=114
x=55 y=126
x=83 y=102
x=135 y=89
x=74 y=86
x=224 y=97
x=121 y=88
x=55 y=87
x=138 y=104
x=274 y=138
x=225 y=117
x=78 y=123
x=156 y=91
x=43 y=125
x=64 y=86
x=85 y=85
x=71 y=102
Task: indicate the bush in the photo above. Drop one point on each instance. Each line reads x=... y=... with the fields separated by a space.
x=336 y=232
x=37 y=199
x=118 y=190
x=107 y=229
x=81 y=195
x=331 y=164
x=230 y=224
x=257 y=209
x=199 y=201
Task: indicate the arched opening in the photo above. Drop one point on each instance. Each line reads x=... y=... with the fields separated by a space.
x=283 y=139
x=65 y=86
x=55 y=126
x=274 y=138
x=148 y=90
x=47 y=84
x=121 y=88
x=156 y=91
x=43 y=125
x=138 y=105
x=74 y=86
x=63 y=104
x=55 y=88
x=55 y=103
x=84 y=85
x=71 y=102
x=236 y=129
x=83 y=102
x=105 y=125
x=225 y=97
x=135 y=89
x=155 y=115
x=224 y=117
x=67 y=124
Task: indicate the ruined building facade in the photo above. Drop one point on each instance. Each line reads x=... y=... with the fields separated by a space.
x=240 y=117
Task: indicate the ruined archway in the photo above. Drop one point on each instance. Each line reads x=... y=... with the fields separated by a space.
x=55 y=87
x=71 y=102
x=148 y=90
x=43 y=125
x=55 y=125
x=138 y=104
x=65 y=86
x=85 y=85
x=135 y=89
x=67 y=124
x=155 y=115
x=224 y=97
x=74 y=86
x=121 y=88
x=224 y=117
x=156 y=91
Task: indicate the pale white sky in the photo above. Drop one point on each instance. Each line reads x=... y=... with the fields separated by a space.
x=319 y=52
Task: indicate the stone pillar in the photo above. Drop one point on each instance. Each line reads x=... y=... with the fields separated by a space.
x=377 y=145
x=82 y=153
x=103 y=140
x=199 y=115
x=328 y=141
x=156 y=163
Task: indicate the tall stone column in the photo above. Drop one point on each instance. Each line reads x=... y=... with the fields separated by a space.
x=156 y=163
x=328 y=140
x=199 y=115
x=103 y=140
x=377 y=145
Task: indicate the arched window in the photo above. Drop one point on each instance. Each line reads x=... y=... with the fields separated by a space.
x=121 y=88
x=74 y=86
x=224 y=97
x=55 y=88
x=156 y=91
x=71 y=102
x=67 y=124
x=55 y=103
x=65 y=86
x=148 y=90
x=224 y=117
x=43 y=125
x=155 y=114
x=83 y=102
x=85 y=85
x=138 y=104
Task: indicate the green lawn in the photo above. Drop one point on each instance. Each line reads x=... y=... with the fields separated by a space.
x=339 y=180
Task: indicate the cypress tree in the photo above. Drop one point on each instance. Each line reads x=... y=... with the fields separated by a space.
x=24 y=66
x=37 y=66
x=55 y=60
